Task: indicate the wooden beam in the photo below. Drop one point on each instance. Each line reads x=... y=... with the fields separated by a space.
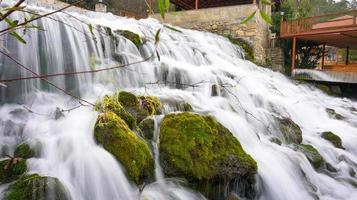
x=323 y=56
x=293 y=54
x=197 y=4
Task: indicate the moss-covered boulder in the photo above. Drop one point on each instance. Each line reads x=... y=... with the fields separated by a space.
x=290 y=130
x=112 y=104
x=11 y=169
x=311 y=154
x=204 y=152
x=130 y=150
x=133 y=37
x=151 y=104
x=333 y=138
x=132 y=104
x=37 y=187
x=147 y=127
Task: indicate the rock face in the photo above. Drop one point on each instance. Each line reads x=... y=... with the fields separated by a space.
x=312 y=155
x=36 y=187
x=204 y=152
x=130 y=150
x=290 y=130
x=333 y=138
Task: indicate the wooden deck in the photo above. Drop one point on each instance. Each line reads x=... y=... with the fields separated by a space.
x=341 y=68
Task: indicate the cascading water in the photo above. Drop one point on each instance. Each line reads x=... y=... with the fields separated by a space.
x=249 y=100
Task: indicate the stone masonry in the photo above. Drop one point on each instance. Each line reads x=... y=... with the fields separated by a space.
x=226 y=21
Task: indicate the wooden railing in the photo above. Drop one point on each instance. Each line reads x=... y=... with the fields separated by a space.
x=319 y=24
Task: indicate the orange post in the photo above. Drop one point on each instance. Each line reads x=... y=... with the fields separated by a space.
x=150 y=7
x=323 y=56
x=197 y=4
x=293 y=54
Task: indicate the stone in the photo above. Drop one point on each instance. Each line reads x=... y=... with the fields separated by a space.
x=36 y=187
x=311 y=154
x=131 y=151
x=333 y=114
x=147 y=126
x=333 y=139
x=205 y=153
x=290 y=130
x=275 y=140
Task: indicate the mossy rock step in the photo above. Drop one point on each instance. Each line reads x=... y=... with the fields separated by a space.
x=312 y=155
x=129 y=107
x=133 y=37
x=205 y=153
x=130 y=150
x=37 y=187
x=333 y=138
x=10 y=170
x=290 y=130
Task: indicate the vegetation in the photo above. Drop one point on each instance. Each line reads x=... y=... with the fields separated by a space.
x=248 y=49
x=206 y=153
x=133 y=37
x=11 y=169
x=311 y=154
x=24 y=151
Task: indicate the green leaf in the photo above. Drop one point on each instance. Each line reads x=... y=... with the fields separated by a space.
x=18 y=37
x=11 y=23
x=90 y=29
x=167 y=4
x=266 y=2
x=172 y=28
x=266 y=17
x=161 y=6
x=250 y=17
x=157 y=36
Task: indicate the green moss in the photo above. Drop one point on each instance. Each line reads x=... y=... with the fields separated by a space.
x=248 y=49
x=311 y=154
x=187 y=107
x=290 y=130
x=203 y=151
x=131 y=151
x=324 y=88
x=24 y=151
x=36 y=187
x=151 y=104
x=133 y=37
x=275 y=140
x=10 y=171
x=112 y=103
x=147 y=126
x=333 y=138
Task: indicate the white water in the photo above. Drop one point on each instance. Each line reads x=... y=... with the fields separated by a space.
x=247 y=106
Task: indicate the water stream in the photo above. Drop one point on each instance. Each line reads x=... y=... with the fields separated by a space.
x=249 y=100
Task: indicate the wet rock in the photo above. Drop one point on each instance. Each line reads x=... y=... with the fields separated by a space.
x=324 y=88
x=214 y=90
x=19 y=113
x=332 y=113
x=151 y=104
x=290 y=130
x=336 y=90
x=36 y=187
x=147 y=126
x=311 y=154
x=11 y=169
x=130 y=150
x=132 y=105
x=58 y=113
x=133 y=37
x=204 y=152
x=233 y=196
x=330 y=168
x=333 y=138
x=275 y=140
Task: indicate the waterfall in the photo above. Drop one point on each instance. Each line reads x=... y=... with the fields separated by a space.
x=249 y=100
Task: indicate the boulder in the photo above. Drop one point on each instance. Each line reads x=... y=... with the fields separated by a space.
x=130 y=150
x=333 y=138
x=311 y=154
x=290 y=130
x=36 y=187
x=147 y=127
x=205 y=153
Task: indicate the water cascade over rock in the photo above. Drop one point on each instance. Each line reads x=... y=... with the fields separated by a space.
x=201 y=122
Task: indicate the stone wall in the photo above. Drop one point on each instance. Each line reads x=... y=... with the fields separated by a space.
x=225 y=21
x=276 y=56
